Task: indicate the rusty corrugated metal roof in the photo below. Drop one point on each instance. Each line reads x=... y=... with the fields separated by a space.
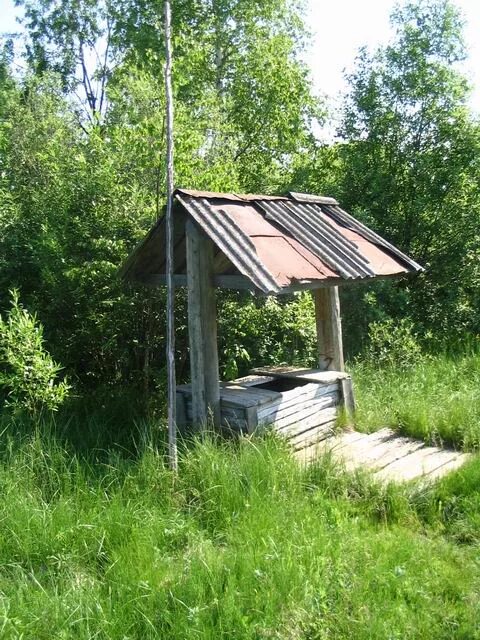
x=276 y=242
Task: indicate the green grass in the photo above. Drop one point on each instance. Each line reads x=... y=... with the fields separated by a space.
x=437 y=400
x=243 y=544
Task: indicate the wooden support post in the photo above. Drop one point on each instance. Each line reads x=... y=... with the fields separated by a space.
x=348 y=399
x=202 y=328
x=329 y=329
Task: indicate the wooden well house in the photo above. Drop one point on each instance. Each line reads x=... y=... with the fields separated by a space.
x=272 y=246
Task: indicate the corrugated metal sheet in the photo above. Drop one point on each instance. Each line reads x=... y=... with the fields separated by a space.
x=275 y=242
x=350 y=222
x=229 y=237
x=305 y=223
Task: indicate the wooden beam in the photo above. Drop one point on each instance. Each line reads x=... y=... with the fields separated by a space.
x=242 y=283
x=348 y=399
x=329 y=329
x=202 y=328
x=222 y=282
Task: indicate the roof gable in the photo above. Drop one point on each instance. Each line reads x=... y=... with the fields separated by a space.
x=276 y=242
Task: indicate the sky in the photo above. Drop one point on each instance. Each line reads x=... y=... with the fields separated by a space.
x=338 y=29
x=341 y=27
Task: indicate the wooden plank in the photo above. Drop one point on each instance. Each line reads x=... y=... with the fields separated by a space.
x=293 y=411
x=252 y=419
x=227 y=412
x=329 y=329
x=263 y=395
x=243 y=396
x=248 y=381
x=416 y=464
x=309 y=451
x=232 y=398
x=348 y=398
x=202 y=326
x=311 y=375
x=301 y=416
x=318 y=433
x=389 y=451
x=314 y=420
x=448 y=467
x=235 y=425
x=293 y=398
x=391 y=457
x=361 y=457
x=369 y=442
x=240 y=283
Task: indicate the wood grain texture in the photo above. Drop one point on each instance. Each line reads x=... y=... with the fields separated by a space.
x=320 y=376
x=294 y=399
x=300 y=410
x=329 y=329
x=348 y=399
x=202 y=328
x=391 y=457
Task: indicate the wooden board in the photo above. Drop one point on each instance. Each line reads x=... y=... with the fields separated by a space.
x=294 y=411
x=391 y=457
x=312 y=375
x=202 y=327
x=314 y=420
x=316 y=434
x=329 y=329
x=248 y=381
x=416 y=464
x=296 y=397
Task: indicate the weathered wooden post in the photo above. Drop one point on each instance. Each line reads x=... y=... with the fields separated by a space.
x=329 y=329
x=202 y=328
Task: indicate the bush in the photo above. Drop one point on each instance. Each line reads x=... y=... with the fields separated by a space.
x=393 y=344
x=28 y=374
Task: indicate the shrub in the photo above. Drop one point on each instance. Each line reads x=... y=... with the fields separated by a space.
x=28 y=373
x=393 y=344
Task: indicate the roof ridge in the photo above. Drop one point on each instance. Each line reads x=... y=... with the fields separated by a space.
x=310 y=197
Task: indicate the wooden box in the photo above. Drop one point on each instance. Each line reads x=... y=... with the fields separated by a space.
x=300 y=404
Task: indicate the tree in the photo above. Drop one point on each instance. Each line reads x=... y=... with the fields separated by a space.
x=73 y=39
x=411 y=159
x=75 y=200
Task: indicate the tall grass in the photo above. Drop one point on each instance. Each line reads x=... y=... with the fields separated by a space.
x=437 y=400
x=242 y=544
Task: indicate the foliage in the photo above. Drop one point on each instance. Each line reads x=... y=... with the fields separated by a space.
x=67 y=217
x=72 y=39
x=410 y=160
x=393 y=344
x=266 y=332
x=436 y=399
x=28 y=374
x=78 y=192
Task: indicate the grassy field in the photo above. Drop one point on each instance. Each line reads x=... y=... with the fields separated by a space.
x=437 y=400
x=243 y=544
x=98 y=540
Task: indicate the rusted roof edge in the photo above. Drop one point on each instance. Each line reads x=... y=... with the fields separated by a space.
x=347 y=220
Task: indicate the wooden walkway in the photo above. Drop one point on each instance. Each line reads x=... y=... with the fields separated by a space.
x=389 y=456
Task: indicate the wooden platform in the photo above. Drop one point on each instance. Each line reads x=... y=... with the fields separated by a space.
x=389 y=456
